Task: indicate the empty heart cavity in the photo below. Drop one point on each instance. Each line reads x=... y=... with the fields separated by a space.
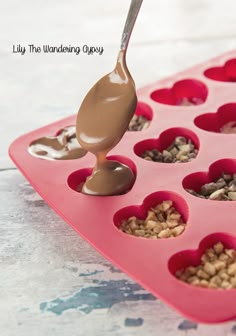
x=225 y=73
x=221 y=121
x=185 y=92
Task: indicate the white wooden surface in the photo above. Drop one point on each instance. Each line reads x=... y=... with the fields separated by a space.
x=51 y=281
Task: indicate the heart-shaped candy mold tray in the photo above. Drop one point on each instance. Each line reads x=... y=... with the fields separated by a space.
x=152 y=262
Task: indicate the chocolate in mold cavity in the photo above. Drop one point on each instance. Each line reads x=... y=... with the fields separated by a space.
x=102 y=120
x=63 y=146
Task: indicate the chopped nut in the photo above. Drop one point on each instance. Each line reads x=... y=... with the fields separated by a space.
x=167 y=156
x=211 y=254
x=216 y=280
x=202 y=274
x=232 y=185
x=192 y=270
x=166 y=205
x=165 y=233
x=131 y=219
x=209 y=188
x=223 y=275
x=220 y=183
x=217 y=195
x=204 y=258
x=151 y=224
x=192 y=279
x=231 y=253
x=209 y=268
x=232 y=269
x=133 y=225
x=203 y=283
x=223 y=257
x=157 y=228
x=172 y=223
x=218 y=248
x=225 y=284
x=180 y=141
x=233 y=282
x=184 y=158
x=139 y=233
x=138 y=123
x=219 y=265
x=174 y=216
x=178 y=230
x=151 y=216
x=232 y=195
x=153 y=237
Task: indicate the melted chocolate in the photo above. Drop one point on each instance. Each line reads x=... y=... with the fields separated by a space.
x=64 y=146
x=102 y=120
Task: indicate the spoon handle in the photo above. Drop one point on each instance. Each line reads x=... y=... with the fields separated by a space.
x=129 y=24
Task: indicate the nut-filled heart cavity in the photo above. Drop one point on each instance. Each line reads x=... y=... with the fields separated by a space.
x=159 y=230
x=174 y=145
x=223 y=121
x=62 y=146
x=225 y=73
x=212 y=265
x=186 y=92
x=163 y=214
x=142 y=117
x=77 y=179
x=218 y=184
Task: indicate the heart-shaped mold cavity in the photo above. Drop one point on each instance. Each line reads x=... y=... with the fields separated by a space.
x=218 y=184
x=162 y=214
x=174 y=145
x=142 y=117
x=222 y=121
x=225 y=73
x=212 y=265
x=77 y=179
x=62 y=146
x=185 y=92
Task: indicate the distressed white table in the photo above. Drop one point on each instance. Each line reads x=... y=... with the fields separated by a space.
x=51 y=281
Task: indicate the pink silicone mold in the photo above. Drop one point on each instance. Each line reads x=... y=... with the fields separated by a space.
x=152 y=263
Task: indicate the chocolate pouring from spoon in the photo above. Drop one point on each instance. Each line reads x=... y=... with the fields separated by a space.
x=104 y=117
